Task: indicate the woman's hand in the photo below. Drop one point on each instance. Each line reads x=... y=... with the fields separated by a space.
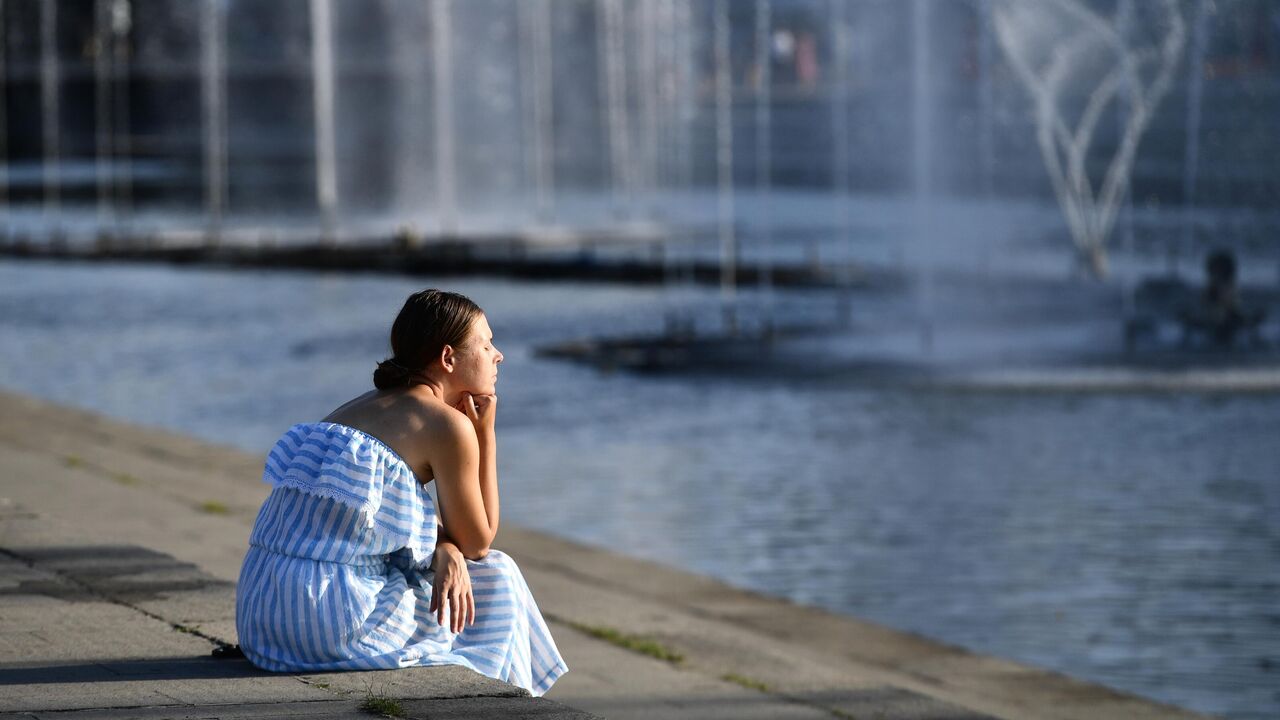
x=479 y=409
x=452 y=587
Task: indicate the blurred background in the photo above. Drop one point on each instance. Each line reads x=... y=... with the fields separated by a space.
x=962 y=316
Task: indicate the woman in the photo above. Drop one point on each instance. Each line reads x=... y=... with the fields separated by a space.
x=347 y=568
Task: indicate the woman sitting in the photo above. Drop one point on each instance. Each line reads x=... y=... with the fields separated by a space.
x=347 y=567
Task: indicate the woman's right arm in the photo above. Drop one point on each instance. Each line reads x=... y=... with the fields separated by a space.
x=467 y=484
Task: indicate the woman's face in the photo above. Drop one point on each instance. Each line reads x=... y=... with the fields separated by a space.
x=475 y=368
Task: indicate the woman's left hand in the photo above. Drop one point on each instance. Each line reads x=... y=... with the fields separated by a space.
x=452 y=587
x=479 y=409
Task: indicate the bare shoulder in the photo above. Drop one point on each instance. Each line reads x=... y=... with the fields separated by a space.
x=415 y=425
x=444 y=425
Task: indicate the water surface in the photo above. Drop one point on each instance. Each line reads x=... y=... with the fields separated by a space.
x=1128 y=539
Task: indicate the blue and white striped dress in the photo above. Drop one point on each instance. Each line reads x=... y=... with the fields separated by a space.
x=338 y=573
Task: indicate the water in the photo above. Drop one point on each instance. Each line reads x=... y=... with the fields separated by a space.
x=1127 y=539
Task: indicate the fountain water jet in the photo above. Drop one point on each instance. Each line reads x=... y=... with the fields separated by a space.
x=838 y=23
x=214 y=97
x=1031 y=35
x=538 y=47
x=764 y=153
x=446 y=169
x=323 y=99
x=4 y=130
x=102 y=108
x=1195 y=95
x=51 y=112
x=609 y=39
x=986 y=97
x=724 y=169
x=922 y=168
x=122 y=123
x=647 y=86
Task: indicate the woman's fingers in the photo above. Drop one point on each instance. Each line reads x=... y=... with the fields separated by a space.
x=468 y=406
x=459 y=603
x=477 y=407
x=447 y=604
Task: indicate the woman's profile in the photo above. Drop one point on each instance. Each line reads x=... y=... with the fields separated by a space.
x=349 y=565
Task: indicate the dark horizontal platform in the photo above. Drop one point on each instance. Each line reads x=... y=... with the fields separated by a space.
x=513 y=257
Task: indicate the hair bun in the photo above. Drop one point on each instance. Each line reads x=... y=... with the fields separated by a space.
x=391 y=374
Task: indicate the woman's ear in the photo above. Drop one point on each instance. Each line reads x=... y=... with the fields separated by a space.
x=447 y=357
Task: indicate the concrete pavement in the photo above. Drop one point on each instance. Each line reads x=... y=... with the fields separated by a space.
x=119 y=547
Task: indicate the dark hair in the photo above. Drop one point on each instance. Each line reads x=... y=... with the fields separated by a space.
x=429 y=320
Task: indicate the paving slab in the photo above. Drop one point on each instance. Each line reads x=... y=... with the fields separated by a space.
x=68 y=648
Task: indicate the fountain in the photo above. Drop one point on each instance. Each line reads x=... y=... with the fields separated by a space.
x=1056 y=45
x=984 y=346
x=853 y=150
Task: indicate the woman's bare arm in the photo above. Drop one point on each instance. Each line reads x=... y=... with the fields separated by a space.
x=488 y=442
x=467 y=484
x=482 y=410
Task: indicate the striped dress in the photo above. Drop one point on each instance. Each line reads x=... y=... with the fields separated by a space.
x=338 y=573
